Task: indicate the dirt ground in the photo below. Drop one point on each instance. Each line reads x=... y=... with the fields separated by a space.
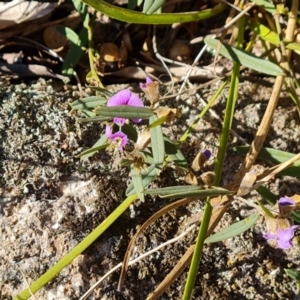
x=51 y=200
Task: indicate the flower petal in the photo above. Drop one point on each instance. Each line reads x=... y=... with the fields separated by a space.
x=207 y=153
x=120 y=98
x=284 y=237
x=119 y=121
x=284 y=201
x=134 y=100
x=108 y=131
x=144 y=85
x=270 y=236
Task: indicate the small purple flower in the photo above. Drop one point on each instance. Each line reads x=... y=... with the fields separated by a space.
x=283 y=236
x=144 y=85
x=207 y=153
x=125 y=97
x=119 y=138
x=285 y=201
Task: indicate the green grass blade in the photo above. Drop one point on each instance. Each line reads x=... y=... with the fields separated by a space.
x=84 y=244
x=197 y=252
x=187 y=191
x=245 y=59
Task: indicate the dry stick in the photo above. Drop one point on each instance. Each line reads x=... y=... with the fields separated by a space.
x=249 y=160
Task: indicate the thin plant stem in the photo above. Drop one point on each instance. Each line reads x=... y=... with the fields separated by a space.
x=197 y=252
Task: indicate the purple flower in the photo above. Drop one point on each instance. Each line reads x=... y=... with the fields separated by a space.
x=207 y=153
x=125 y=97
x=285 y=201
x=144 y=85
x=283 y=236
x=119 y=138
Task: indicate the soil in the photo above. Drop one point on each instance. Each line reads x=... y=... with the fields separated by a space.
x=51 y=200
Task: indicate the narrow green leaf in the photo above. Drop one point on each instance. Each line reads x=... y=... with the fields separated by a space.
x=273 y=155
x=94 y=119
x=74 y=54
x=157 y=143
x=88 y=113
x=187 y=191
x=137 y=182
x=151 y=6
x=103 y=92
x=124 y=111
x=89 y=102
x=70 y=34
x=294 y=274
x=265 y=210
x=101 y=143
x=266 y=5
x=264 y=32
x=148 y=175
x=244 y=58
x=130 y=16
x=175 y=154
x=130 y=132
x=233 y=229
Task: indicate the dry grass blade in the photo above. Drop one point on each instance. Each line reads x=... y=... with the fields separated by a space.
x=152 y=219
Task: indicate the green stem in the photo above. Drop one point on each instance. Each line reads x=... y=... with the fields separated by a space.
x=130 y=16
x=67 y=259
x=197 y=252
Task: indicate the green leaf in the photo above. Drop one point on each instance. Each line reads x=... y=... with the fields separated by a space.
x=264 y=32
x=266 y=5
x=157 y=143
x=70 y=34
x=137 y=182
x=151 y=6
x=74 y=54
x=265 y=210
x=125 y=111
x=233 y=229
x=175 y=154
x=186 y=191
x=275 y=156
x=148 y=175
x=127 y=15
x=130 y=132
x=244 y=58
x=101 y=143
x=94 y=119
x=103 y=92
x=294 y=274
x=89 y=102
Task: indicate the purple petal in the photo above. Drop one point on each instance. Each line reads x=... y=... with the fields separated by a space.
x=120 y=98
x=144 y=85
x=207 y=153
x=270 y=236
x=119 y=121
x=285 y=201
x=284 y=238
x=119 y=137
x=284 y=244
x=134 y=100
x=108 y=131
